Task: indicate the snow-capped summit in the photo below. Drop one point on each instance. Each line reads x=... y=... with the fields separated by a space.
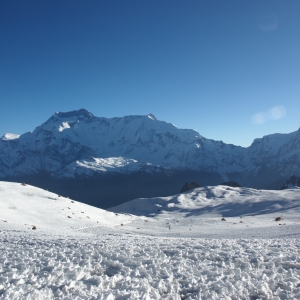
x=151 y=116
x=76 y=142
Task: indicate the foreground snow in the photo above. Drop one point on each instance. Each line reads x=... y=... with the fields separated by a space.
x=171 y=253
x=114 y=266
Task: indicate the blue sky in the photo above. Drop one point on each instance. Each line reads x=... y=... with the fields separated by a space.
x=228 y=69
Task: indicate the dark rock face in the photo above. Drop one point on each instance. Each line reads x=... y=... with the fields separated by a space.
x=189 y=186
x=293 y=181
x=231 y=183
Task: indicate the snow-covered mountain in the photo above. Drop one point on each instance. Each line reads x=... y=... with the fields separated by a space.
x=77 y=144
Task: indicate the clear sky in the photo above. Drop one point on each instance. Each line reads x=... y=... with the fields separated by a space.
x=228 y=69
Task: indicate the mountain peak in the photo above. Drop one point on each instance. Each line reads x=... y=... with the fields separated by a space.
x=75 y=113
x=151 y=116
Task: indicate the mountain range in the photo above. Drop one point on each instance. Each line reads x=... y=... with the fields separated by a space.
x=112 y=160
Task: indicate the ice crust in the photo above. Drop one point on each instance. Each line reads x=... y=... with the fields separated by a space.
x=177 y=249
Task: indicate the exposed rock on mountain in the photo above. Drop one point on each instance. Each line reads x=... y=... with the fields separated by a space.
x=231 y=183
x=292 y=182
x=189 y=186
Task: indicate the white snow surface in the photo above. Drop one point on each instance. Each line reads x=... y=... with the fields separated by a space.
x=173 y=247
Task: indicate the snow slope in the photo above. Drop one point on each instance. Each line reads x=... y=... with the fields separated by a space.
x=77 y=143
x=174 y=247
x=26 y=206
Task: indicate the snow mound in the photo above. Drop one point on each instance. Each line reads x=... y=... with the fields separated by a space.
x=217 y=201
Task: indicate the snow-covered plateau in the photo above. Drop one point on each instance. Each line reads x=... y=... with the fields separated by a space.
x=214 y=242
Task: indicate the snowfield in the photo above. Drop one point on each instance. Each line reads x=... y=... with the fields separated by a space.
x=173 y=247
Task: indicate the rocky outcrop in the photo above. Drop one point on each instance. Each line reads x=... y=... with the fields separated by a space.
x=293 y=181
x=189 y=186
x=231 y=183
